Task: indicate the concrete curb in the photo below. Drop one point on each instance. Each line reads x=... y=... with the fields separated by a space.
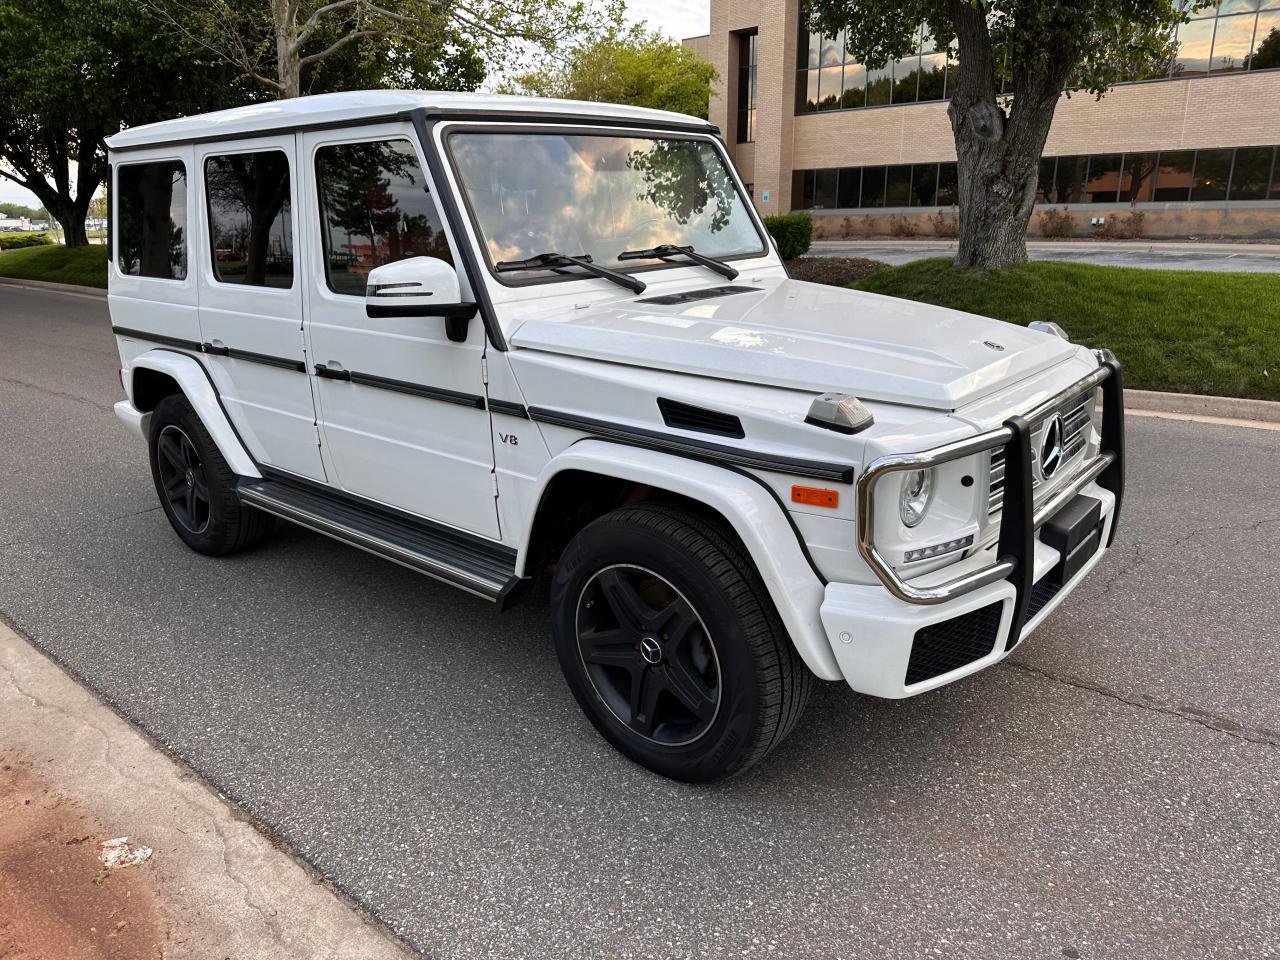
x=1227 y=408
x=224 y=889
x=59 y=287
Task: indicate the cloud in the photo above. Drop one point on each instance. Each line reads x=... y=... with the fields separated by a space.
x=677 y=20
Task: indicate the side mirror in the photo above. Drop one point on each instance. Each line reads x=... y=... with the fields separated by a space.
x=419 y=287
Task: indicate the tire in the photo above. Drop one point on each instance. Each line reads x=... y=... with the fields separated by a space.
x=694 y=692
x=196 y=486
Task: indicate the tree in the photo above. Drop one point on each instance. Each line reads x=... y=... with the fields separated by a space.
x=637 y=67
x=1040 y=47
x=75 y=72
x=1266 y=54
x=287 y=47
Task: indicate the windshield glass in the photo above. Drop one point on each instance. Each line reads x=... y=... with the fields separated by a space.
x=598 y=195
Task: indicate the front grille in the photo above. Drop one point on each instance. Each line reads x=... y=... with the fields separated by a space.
x=1076 y=414
x=942 y=647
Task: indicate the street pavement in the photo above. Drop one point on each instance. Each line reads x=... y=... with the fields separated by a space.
x=1169 y=255
x=1109 y=792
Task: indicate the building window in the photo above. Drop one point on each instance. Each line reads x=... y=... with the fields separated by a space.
x=250 y=229
x=1233 y=36
x=151 y=219
x=1178 y=176
x=747 y=87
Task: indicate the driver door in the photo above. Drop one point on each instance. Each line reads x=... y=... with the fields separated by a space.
x=401 y=408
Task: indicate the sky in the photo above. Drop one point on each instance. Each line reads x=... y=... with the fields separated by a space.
x=676 y=19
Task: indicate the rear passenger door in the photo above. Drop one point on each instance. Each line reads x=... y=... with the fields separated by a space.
x=251 y=299
x=402 y=409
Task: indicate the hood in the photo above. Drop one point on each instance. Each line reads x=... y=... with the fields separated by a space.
x=809 y=337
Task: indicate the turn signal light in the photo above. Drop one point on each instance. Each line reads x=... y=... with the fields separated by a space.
x=816 y=497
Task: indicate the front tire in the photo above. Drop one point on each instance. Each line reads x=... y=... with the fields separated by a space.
x=671 y=644
x=196 y=486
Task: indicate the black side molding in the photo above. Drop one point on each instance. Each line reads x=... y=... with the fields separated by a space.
x=700 y=449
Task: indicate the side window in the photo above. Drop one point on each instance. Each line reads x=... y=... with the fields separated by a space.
x=250 y=231
x=374 y=208
x=152 y=219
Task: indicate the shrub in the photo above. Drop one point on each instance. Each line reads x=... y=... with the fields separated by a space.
x=945 y=225
x=18 y=241
x=1057 y=223
x=902 y=227
x=1128 y=228
x=793 y=232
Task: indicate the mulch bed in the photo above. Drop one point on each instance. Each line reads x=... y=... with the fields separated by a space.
x=837 y=271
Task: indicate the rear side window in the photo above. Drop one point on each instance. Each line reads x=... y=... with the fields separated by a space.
x=374 y=208
x=250 y=230
x=151 y=219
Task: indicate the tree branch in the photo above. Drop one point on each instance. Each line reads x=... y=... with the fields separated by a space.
x=313 y=21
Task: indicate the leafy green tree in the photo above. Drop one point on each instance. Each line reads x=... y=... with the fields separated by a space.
x=1267 y=53
x=633 y=66
x=76 y=71
x=291 y=47
x=22 y=210
x=1040 y=49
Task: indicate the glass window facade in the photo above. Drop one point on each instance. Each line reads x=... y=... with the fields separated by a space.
x=1233 y=36
x=1245 y=173
x=747 y=87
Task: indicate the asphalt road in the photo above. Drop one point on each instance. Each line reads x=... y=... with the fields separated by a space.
x=1215 y=257
x=1111 y=792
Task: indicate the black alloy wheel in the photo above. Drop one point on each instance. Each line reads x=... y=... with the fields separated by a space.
x=648 y=654
x=183 y=480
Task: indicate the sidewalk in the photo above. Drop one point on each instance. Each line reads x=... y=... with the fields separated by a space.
x=209 y=886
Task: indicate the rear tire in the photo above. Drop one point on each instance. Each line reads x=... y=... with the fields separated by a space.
x=196 y=486
x=671 y=644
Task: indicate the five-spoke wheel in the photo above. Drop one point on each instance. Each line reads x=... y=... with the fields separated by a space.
x=648 y=654
x=183 y=480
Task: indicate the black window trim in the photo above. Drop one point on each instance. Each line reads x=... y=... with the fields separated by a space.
x=592 y=129
x=293 y=217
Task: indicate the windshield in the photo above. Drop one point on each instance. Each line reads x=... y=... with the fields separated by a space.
x=598 y=195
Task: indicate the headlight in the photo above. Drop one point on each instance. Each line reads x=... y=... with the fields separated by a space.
x=917 y=490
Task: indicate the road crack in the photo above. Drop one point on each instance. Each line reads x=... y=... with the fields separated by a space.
x=57 y=393
x=1218 y=723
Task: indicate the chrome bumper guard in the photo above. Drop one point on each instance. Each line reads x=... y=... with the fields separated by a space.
x=1020 y=518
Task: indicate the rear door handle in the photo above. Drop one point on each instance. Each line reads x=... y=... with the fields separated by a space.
x=331 y=373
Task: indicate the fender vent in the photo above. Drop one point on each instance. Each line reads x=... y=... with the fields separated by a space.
x=688 y=296
x=685 y=416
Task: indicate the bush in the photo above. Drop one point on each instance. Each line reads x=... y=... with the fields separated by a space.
x=902 y=227
x=1128 y=228
x=1057 y=223
x=945 y=225
x=793 y=232
x=17 y=241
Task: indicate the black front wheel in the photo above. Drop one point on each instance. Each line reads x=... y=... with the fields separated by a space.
x=671 y=644
x=196 y=485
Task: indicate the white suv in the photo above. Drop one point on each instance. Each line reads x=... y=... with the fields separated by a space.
x=497 y=339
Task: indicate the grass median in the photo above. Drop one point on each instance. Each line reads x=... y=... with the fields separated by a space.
x=86 y=266
x=1175 y=330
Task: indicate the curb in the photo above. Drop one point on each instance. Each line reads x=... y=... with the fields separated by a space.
x=1228 y=408
x=59 y=287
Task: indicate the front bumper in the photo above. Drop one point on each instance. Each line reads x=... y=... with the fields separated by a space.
x=906 y=637
x=893 y=648
x=133 y=418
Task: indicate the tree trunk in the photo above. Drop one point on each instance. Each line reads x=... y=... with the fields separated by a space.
x=288 y=58
x=73 y=231
x=998 y=154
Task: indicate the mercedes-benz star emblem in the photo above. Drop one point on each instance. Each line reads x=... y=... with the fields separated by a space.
x=651 y=650
x=1051 y=448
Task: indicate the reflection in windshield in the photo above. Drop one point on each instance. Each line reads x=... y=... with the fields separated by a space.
x=599 y=195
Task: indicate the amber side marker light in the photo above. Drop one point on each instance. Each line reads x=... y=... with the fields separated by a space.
x=816 y=496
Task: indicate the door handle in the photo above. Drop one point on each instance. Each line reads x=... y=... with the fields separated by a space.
x=330 y=373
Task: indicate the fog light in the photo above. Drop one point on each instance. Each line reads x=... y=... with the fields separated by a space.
x=938 y=549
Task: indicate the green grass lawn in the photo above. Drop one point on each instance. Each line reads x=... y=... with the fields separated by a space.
x=86 y=266
x=1177 y=330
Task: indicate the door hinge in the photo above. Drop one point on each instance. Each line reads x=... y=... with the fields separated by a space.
x=484 y=369
x=316 y=428
x=495 y=483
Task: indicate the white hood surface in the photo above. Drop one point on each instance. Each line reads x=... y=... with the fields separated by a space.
x=809 y=337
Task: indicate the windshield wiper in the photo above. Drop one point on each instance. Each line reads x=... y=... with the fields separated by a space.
x=554 y=261
x=665 y=251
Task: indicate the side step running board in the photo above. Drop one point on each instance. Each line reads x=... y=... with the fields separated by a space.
x=471 y=563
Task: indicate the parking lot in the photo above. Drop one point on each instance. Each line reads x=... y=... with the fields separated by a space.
x=1109 y=792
